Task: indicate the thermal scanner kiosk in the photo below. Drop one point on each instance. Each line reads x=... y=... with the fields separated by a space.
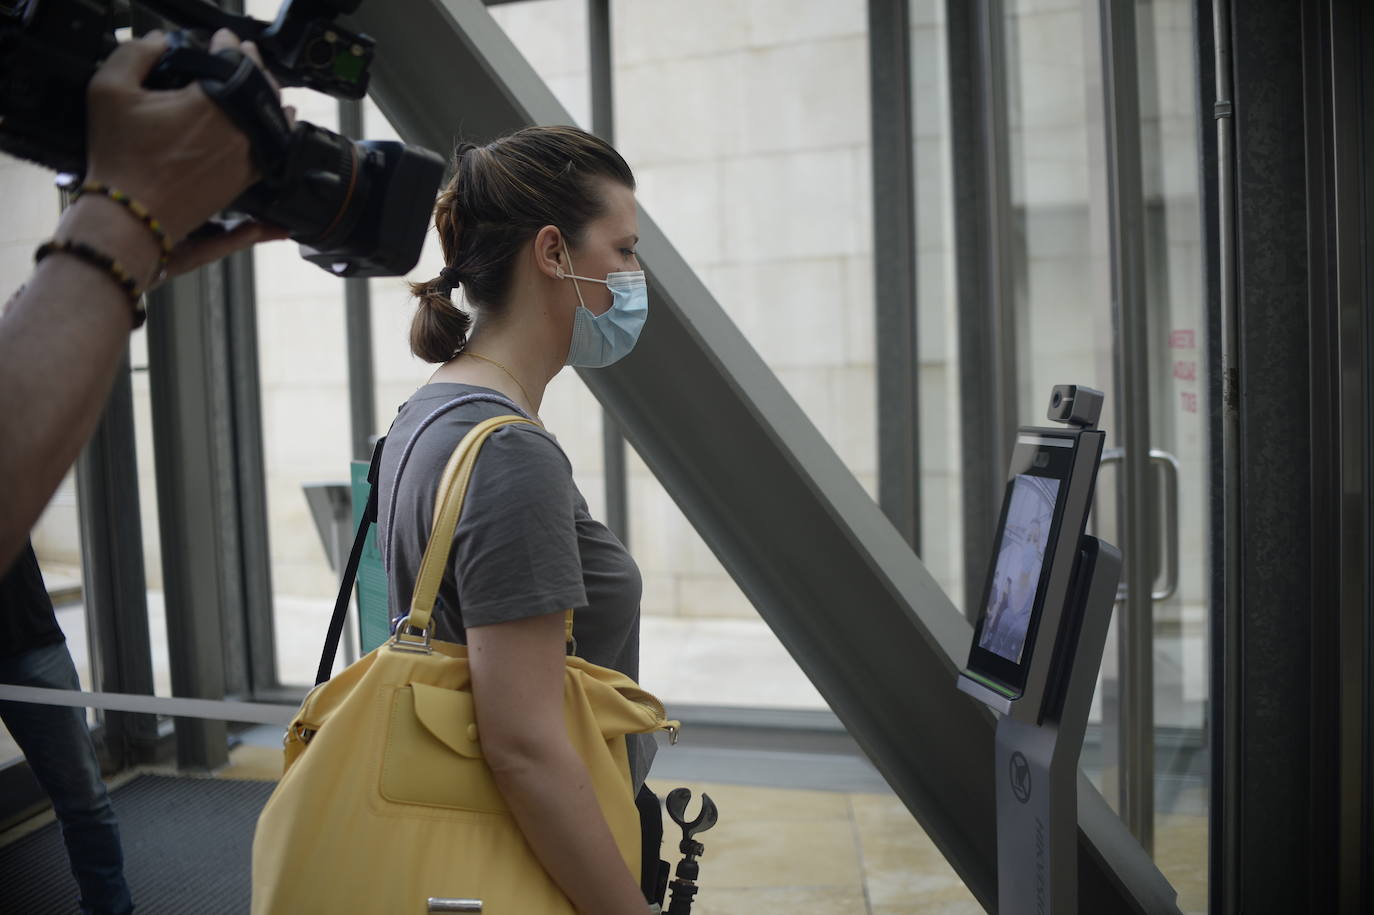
x=1037 y=648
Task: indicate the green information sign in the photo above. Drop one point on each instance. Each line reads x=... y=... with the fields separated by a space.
x=374 y=621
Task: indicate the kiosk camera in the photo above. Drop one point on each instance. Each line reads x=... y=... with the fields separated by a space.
x=1037 y=648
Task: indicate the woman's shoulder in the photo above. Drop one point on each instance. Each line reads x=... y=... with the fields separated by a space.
x=439 y=415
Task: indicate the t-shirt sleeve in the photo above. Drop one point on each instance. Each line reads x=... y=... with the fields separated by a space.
x=515 y=552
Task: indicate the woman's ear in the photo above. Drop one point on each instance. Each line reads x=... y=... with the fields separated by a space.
x=548 y=252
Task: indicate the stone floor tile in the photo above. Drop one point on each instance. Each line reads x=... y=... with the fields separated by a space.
x=742 y=803
x=253 y=764
x=745 y=852
x=792 y=900
x=956 y=907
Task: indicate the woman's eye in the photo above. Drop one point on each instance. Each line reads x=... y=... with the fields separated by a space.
x=628 y=252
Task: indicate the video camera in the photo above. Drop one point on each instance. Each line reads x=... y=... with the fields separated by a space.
x=356 y=208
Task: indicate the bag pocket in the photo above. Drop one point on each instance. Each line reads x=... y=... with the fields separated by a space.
x=433 y=757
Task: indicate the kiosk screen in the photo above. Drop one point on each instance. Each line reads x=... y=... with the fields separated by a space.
x=1033 y=539
x=1020 y=559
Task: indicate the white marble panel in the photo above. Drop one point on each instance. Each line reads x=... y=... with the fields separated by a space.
x=1055 y=166
x=941 y=530
x=573 y=91
x=305 y=431
x=798 y=205
x=660 y=593
x=811 y=390
x=773 y=22
x=56 y=537
x=1043 y=96
x=302 y=340
x=928 y=69
x=924 y=13
x=281 y=273
x=375 y=124
x=392 y=362
x=934 y=294
x=551 y=34
x=685 y=200
x=16 y=262
x=680 y=110
x=656 y=524
x=934 y=217
x=791 y=311
x=806 y=96
x=939 y=413
x=573 y=415
x=32 y=204
x=859 y=307
x=646 y=31
x=706 y=596
x=1179 y=159
x=853 y=420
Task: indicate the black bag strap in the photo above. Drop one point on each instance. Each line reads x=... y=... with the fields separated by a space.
x=350 y=574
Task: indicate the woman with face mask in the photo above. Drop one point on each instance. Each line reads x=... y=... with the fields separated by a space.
x=538 y=231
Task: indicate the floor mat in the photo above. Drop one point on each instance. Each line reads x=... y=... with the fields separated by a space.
x=187 y=850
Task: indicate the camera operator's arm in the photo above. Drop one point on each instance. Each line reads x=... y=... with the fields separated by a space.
x=63 y=333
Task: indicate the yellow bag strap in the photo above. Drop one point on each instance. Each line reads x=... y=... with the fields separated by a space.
x=448 y=506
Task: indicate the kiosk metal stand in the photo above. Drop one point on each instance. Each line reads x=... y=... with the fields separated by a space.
x=1037 y=764
x=1043 y=687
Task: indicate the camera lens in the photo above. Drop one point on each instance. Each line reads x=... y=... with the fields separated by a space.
x=1056 y=399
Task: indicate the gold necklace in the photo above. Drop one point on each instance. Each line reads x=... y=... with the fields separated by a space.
x=528 y=400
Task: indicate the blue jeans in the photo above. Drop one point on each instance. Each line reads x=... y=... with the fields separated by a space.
x=58 y=746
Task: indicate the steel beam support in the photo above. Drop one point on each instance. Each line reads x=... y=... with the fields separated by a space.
x=826 y=569
x=362 y=398
x=1338 y=56
x=894 y=266
x=113 y=583
x=1215 y=159
x=1301 y=280
x=1126 y=208
x=254 y=614
x=209 y=485
x=983 y=223
x=192 y=445
x=602 y=67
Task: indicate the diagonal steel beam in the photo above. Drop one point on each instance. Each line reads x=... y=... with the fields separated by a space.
x=825 y=568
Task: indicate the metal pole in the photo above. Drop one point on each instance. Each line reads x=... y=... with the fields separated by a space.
x=1125 y=195
x=982 y=214
x=895 y=270
x=603 y=125
x=362 y=404
x=113 y=583
x=1226 y=808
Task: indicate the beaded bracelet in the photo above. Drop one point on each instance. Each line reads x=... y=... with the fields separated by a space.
x=139 y=211
x=103 y=262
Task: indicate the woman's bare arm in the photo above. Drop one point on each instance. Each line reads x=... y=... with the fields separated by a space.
x=517 y=685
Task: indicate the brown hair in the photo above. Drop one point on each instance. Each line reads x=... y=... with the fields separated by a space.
x=499 y=197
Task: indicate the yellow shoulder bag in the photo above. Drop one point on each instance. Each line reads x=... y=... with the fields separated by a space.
x=386 y=801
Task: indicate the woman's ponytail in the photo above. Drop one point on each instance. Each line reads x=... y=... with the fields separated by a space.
x=439 y=330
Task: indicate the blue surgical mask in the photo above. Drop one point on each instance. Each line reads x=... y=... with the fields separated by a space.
x=601 y=340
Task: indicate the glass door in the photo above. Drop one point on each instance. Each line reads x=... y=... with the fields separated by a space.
x=1107 y=292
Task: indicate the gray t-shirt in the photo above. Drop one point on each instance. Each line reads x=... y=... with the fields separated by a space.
x=526 y=544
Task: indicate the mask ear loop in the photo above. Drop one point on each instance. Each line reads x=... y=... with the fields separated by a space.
x=569 y=276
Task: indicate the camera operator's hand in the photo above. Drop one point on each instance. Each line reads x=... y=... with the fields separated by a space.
x=177 y=154
x=175 y=151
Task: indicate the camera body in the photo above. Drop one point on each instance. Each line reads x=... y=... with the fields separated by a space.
x=1075 y=405
x=356 y=208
